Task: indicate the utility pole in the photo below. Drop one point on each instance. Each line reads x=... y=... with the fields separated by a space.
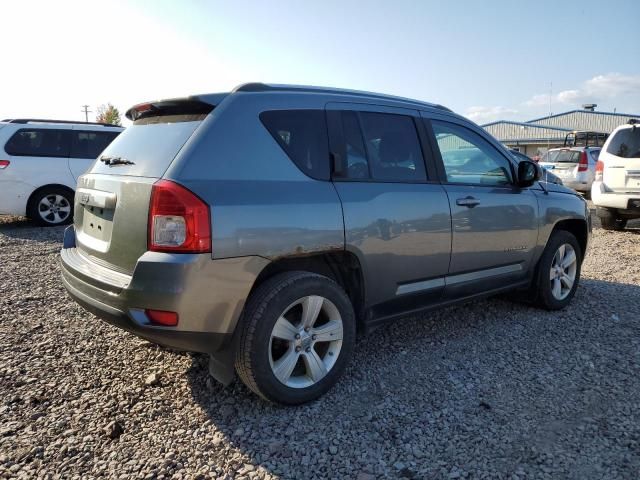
x=85 y=109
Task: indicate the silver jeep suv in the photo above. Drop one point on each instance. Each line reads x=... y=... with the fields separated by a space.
x=268 y=225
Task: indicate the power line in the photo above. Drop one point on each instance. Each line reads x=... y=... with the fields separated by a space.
x=85 y=109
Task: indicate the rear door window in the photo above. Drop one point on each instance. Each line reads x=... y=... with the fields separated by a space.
x=625 y=143
x=89 y=144
x=393 y=147
x=39 y=142
x=381 y=147
x=302 y=134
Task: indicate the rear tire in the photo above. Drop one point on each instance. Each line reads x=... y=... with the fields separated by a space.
x=276 y=356
x=51 y=206
x=610 y=220
x=558 y=272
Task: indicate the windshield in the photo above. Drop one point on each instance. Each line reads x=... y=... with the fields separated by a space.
x=625 y=143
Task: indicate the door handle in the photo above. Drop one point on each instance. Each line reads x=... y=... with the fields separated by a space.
x=468 y=202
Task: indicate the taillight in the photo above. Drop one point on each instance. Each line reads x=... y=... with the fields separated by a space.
x=599 y=170
x=178 y=220
x=4 y=164
x=162 y=317
x=583 y=166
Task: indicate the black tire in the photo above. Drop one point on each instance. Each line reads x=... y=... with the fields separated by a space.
x=264 y=307
x=542 y=285
x=610 y=221
x=65 y=200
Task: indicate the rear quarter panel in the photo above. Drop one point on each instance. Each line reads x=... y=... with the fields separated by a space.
x=261 y=203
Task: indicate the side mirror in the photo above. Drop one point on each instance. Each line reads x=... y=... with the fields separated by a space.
x=528 y=173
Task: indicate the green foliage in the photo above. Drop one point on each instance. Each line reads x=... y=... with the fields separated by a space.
x=108 y=114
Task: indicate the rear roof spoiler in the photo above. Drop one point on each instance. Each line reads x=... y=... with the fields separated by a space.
x=202 y=104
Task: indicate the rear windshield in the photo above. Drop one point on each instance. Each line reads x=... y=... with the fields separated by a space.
x=550 y=156
x=563 y=156
x=625 y=143
x=150 y=144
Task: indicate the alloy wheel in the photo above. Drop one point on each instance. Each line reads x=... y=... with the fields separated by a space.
x=563 y=271
x=305 y=341
x=54 y=208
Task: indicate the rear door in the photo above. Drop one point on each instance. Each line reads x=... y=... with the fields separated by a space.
x=86 y=146
x=40 y=155
x=396 y=214
x=112 y=199
x=622 y=161
x=494 y=222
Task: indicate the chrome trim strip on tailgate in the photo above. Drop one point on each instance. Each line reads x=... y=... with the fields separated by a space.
x=96 y=198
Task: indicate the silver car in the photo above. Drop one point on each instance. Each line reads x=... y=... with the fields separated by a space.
x=268 y=225
x=575 y=166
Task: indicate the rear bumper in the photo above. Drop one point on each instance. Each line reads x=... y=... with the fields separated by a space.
x=207 y=294
x=622 y=201
x=580 y=181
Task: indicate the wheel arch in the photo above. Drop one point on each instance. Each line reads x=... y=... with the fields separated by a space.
x=343 y=267
x=579 y=228
x=48 y=186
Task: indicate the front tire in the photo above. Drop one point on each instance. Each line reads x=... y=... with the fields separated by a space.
x=50 y=207
x=558 y=271
x=298 y=334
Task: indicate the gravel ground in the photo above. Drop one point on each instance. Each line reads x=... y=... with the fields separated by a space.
x=487 y=390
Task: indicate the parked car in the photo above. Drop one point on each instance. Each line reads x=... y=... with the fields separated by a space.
x=267 y=225
x=575 y=166
x=547 y=176
x=616 y=189
x=40 y=162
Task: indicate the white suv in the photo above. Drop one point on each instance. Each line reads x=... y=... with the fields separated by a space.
x=40 y=161
x=616 y=189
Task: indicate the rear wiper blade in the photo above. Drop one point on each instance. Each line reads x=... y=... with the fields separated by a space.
x=116 y=161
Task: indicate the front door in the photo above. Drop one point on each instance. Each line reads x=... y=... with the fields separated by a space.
x=494 y=222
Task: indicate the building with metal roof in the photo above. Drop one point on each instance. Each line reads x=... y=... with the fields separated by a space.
x=535 y=136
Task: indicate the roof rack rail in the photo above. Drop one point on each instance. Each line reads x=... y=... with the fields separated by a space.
x=42 y=120
x=264 y=87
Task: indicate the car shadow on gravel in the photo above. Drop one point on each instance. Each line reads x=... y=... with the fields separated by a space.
x=421 y=396
x=21 y=228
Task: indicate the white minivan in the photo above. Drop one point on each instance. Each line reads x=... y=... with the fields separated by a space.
x=40 y=162
x=616 y=189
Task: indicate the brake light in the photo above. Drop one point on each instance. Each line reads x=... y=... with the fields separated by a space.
x=178 y=220
x=161 y=317
x=583 y=166
x=4 y=164
x=599 y=170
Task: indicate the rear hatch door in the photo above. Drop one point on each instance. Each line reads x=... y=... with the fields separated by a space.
x=561 y=162
x=622 y=162
x=112 y=199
